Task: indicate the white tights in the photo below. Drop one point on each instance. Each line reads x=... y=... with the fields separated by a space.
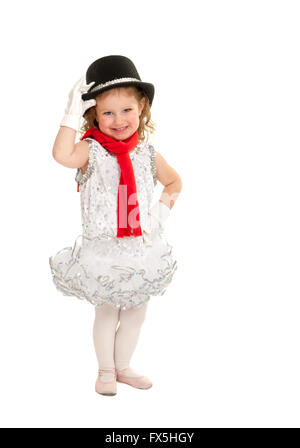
x=114 y=347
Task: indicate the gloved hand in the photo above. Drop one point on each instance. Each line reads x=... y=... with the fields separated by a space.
x=157 y=216
x=76 y=107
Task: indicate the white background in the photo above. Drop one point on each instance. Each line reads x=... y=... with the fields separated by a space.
x=222 y=345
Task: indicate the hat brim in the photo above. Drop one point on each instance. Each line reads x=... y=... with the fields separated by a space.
x=146 y=86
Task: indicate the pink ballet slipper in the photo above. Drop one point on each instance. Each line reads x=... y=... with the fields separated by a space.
x=140 y=382
x=106 y=388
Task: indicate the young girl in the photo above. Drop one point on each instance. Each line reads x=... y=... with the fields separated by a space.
x=123 y=257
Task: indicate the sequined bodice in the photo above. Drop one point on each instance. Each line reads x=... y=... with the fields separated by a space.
x=99 y=187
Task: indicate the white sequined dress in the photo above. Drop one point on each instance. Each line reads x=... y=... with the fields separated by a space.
x=101 y=268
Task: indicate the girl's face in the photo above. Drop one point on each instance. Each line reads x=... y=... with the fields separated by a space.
x=118 y=112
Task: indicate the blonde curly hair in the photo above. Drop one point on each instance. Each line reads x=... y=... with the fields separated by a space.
x=146 y=126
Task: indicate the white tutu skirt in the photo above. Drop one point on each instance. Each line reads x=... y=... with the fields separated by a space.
x=123 y=272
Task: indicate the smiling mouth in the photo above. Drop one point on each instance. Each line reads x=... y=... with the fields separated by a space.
x=120 y=129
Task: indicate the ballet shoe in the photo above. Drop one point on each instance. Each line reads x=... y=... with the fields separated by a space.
x=140 y=382
x=106 y=387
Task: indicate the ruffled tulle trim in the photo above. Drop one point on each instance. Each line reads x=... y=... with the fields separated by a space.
x=93 y=273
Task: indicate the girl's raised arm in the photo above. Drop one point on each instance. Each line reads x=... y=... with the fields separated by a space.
x=65 y=151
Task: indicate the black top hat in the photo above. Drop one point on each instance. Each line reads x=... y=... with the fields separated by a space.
x=114 y=71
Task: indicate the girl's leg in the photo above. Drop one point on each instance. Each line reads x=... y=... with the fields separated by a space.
x=127 y=336
x=104 y=331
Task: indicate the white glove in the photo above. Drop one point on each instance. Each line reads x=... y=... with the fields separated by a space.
x=76 y=107
x=157 y=216
x=155 y=220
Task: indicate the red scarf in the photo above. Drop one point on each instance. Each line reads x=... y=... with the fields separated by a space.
x=128 y=223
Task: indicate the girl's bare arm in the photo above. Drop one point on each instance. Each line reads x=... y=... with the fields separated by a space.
x=169 y=178
x=66 y=152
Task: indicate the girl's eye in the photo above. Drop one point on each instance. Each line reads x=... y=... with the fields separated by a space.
x=110 y=112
